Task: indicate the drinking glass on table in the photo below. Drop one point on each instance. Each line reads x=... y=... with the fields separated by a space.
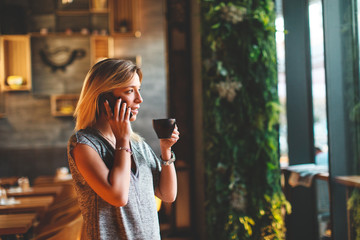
x=3 y=196
x=24 y=183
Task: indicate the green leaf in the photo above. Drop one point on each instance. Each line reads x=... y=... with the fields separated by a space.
x=216 y=25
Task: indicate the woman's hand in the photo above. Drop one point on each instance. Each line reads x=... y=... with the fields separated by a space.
x=167 y=188
x=119 y=120
x=166 y=144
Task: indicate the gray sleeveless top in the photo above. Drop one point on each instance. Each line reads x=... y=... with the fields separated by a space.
x=139 y=218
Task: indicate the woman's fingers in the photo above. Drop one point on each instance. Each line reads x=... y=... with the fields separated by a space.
x=116 y=109
x=176 y=132
x=175 y=136
x=123 y=111
x=127 y=113
x=109 y=113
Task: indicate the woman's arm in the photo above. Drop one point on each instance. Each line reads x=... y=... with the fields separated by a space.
x=167 y=188
x=111 y=185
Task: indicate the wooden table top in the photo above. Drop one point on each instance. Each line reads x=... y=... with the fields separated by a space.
x=52 y=180
x=16 y=223
x=322 y=176
x=35 y=191
x=317 y=175
x=28 y=204
x=8 y=181
x=350 y=181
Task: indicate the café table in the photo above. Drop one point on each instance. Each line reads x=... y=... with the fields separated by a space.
x=11 y=224
x=303 y=174
x=349 y=181
x=8 y=181
x=35 y=204
x=46 y=180
x=34 y=191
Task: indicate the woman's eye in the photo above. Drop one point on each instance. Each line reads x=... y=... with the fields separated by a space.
x=130 y=91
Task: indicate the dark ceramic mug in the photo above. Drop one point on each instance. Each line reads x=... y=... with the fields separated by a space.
x=164 y=127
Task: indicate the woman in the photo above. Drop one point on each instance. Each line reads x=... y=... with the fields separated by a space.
x=116 y=174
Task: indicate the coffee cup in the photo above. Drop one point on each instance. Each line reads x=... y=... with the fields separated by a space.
x=164 y=127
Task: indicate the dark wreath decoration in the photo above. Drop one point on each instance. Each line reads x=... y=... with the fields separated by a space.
x=61 y=57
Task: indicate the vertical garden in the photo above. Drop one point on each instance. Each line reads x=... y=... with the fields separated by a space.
x=244 y=199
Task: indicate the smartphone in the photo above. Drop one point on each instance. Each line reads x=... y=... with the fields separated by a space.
x=112 y=101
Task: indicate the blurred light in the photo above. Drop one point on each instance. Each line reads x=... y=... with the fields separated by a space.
x=66 y=1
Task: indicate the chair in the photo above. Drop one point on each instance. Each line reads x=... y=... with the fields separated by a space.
x=62 y=211
x=68 y=228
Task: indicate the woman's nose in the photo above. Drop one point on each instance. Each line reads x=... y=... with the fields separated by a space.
x=138 y=98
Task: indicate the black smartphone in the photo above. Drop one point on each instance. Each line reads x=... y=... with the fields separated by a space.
x=112 y=101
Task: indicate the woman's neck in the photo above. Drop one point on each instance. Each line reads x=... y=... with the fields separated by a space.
x=103 y=126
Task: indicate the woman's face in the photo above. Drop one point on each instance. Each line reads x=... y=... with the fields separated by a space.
x=131 y=95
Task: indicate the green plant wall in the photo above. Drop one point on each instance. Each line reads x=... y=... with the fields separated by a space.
x=353 y=205
x=244 y=199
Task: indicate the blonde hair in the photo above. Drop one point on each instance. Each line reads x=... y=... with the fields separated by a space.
x=103 y=77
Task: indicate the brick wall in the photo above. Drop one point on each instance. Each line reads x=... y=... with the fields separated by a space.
x=32 y=142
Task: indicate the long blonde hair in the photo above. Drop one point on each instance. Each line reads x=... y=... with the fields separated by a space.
x=103 y=77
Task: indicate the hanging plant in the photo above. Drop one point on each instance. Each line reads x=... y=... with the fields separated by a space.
x=241 y=113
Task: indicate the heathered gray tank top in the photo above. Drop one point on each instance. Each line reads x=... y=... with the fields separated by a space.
x=139 y=218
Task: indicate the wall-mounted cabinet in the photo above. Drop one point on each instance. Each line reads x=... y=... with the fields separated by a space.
x=75 y=17
x=97 y=17
x=63 y=105
x=125 y=17
x=101 y=47
x=15 y=63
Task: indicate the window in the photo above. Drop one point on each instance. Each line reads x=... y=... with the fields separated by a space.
x=280 y=48
x=318 y=75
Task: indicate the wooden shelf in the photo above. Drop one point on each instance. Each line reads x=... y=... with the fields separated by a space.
x=72 y=12
x=77 y=15
x=125 y=18
x=120 y=18
x=98 y=5
x=99 y=11
x=101 y=47
x=81 y=12
x=59 y=34
x=63 y=105
x=15 y=62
